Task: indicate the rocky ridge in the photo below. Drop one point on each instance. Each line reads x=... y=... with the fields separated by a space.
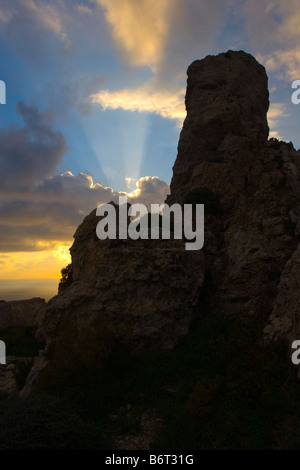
x=21 y=312
x=148 y=294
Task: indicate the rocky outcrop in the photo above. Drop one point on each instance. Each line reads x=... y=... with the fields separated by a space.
x=223 y=147
x=143 y=294
x=147 y=294
x=21 y=312
x=284 y=321
x=8 y=384
x=146 y=291
x=227 y=100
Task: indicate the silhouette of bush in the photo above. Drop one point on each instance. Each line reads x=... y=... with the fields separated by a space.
x=207 y=197
x=66 y=278
x=275 y=143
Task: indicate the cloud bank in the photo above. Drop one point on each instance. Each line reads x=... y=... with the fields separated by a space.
x=150 y=42
x=40 y=210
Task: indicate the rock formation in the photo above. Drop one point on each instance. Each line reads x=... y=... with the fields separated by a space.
x=21 y=312
x=8 y=380
x=223 y=147
x=147 y=294
x=227 y=100
x=143 y=294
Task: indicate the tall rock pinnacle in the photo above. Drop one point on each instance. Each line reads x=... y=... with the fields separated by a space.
x=224 y=150
x=227 y=100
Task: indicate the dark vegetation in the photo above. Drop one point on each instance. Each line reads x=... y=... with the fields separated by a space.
x=275 y=143
x=220 y=389
x=207 y=197
x=43 y=422
x=66 y=278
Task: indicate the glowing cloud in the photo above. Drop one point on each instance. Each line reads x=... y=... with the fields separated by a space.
x=274 y=33
x=139 y=28
x=166 y=103
x=276 y=112
x=149 y=190
x=129 y=180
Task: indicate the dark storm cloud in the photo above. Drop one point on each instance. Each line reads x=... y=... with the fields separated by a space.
x=49 y=36
x=30 y=237
x=30 y=26
x=30 y=153
x=51 y=211
x=39 y=209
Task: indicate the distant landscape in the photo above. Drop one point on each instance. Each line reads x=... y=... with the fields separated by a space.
x=19 y=289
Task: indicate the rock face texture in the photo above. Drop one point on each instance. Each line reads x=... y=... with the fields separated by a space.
x=21 y=312
x=7 y=380
x=148 y=293
x=223 y=147
x=227 y=100
x=143 y=294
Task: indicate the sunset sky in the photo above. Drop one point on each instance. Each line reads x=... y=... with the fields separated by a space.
x=94 y=106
